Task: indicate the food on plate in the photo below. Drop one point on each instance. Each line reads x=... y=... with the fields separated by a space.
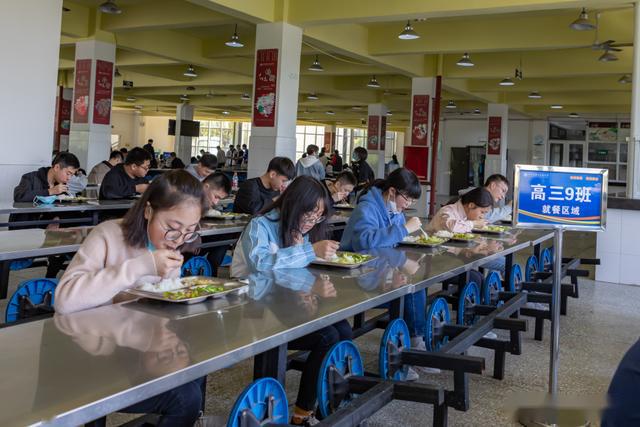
x=163 y=286
x=343 y=206
x=349 y=258
x=444 y=234
x=201 y=281
x=495 y=228
x=193 y=292
x=464 y=236
x=426 y=240
x=214 y=213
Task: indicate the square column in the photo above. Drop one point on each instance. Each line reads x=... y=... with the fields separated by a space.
x=30 y=30
x=376 y=138
x=275 y=99
x=497 y=129
x=182 y=145
x=90 y=136
x=633 y=156
x=416 y=152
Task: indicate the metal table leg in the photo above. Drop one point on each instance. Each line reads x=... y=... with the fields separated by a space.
x=4 y=278
x=272 y=363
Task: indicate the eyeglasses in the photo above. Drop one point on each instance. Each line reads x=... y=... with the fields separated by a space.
x=172 y=235
x=409 y=200
x=308 y=219
x=144 y=167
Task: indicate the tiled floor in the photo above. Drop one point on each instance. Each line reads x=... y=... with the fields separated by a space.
x=599 y=328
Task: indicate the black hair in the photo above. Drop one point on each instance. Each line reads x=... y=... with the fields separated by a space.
x=496 y=177
x=193 y=160
x=244 y=145
x=311 y=149
x=395 y=158
x=137 y=156
x=361 y=153
x=302 y=197
x=219 y=180
x=66 y=160
x=403 y=180
x=124 y=150
x=173 y=153
x=209 y=161
x=166 y=191
x=116 y=155
x=150 y=141
x=479 y=197
x=347 y=177
x=282 y=166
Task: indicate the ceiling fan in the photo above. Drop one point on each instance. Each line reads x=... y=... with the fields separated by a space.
x=608 y=45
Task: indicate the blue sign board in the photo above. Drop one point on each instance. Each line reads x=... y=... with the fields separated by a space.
x=550 y=196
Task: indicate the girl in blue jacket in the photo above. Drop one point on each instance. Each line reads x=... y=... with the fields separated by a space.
x=378 y=221
x=290 y=234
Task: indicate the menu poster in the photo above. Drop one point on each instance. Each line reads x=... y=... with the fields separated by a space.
x=420 y=120
x=328 y=142
x=603 y=131
x=372 y=133
x=383 y=134
x=495 y=135
x=264 y=107
x=102 y=94
x=81 y=91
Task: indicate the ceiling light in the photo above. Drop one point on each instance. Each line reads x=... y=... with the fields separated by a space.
x=557 y=107
x=373 y=82
x=66 y=9
x=190 y=88
x=476 y=111
x=110 y=7
x=607 y=57
x=625 y=79
x=408 y=33
x=235 y=40
x=117 y=73
x=535 y=95
x=131 y=98
x=226 y=113
x=331 y=113
x=389 y=113
x=315 y=66
x=506 y=82
x=312 y=97
x=465 y=61
x=245 y=97
x=209 y=94
x=191 y=72
x=356 y=108
x=582 y=23
x=184 y=98
x=574 y=115
x=450 y=104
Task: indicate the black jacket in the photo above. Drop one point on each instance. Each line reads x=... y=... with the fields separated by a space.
x=363 y=172
x=177 y=163
x=118 y=185
x=149 y=149
x=32 y=184
x=253 y=196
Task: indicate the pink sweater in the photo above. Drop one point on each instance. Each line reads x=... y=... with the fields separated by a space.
x=104 y=266
x=451 y=218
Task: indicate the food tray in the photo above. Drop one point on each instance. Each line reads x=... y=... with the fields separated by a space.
x=344 y=206
x=231 y=286
x=423 y=245
x=485 y=231
x=227 y=215
x=69 y=199
x=459 y=240
x=324 y=262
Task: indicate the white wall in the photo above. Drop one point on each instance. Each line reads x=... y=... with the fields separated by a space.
x=29 y=73
x=461 y=133
x=135 y=129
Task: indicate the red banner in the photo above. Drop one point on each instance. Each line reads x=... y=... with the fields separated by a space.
x=495 y=135
x=65 y=116
x=328 y=141
x=264 y=107
x=420 y=120
x=102 y=94
x=383 y=134
x=372 y=133
x=81 y=91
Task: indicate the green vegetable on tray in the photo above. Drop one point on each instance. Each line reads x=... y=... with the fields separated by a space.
x=350 y=258
x=464 y=236
x=496 y=228
x=431 y=240
x=193 y=292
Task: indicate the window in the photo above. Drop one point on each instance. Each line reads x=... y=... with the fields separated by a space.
x=307 y=135
x=213 y=133
x=245 y=132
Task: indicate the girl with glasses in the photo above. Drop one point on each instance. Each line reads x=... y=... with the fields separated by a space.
x=145 y=244
x=291 y=233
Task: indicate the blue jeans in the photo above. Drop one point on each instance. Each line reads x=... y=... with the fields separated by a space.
x=178 y=407
x=415 y=312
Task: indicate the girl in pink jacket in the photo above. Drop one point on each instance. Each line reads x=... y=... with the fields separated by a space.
x=463 y=215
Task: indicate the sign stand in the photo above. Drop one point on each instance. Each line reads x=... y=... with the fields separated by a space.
x=560 y=199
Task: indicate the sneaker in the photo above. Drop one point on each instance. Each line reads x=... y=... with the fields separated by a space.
x=210 y=421
x=417 y=343
x=491 y=335
x=311 y=420
x=537 y=306
x=412 y=375
x=428 y=370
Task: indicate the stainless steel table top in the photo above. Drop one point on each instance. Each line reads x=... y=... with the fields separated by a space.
x=37 y=242
x=71 y=369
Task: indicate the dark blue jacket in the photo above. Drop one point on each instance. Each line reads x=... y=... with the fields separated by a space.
x=624 y=392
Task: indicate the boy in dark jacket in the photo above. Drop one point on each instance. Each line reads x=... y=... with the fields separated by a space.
x=257 y=193
x=125 y=180
x=47 y=181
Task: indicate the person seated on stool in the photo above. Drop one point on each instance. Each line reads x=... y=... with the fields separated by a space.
x=204 y=167
x=125 y=180
x=217 y=186
x=99 y=171
x=341 y=187
x=143 y=246
x=257 y=193
x=291 y=233
x=378 y=222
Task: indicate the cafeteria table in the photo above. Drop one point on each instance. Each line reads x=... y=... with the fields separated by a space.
x=37 y=242
x=71 y=369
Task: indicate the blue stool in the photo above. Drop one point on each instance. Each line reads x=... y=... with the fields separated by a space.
x=531 y=268
x=196 y=266
x=491 y=287
x=226 y=261
x=263 y=402
x=32 y=298
x=20 y=264
x=469 y=297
